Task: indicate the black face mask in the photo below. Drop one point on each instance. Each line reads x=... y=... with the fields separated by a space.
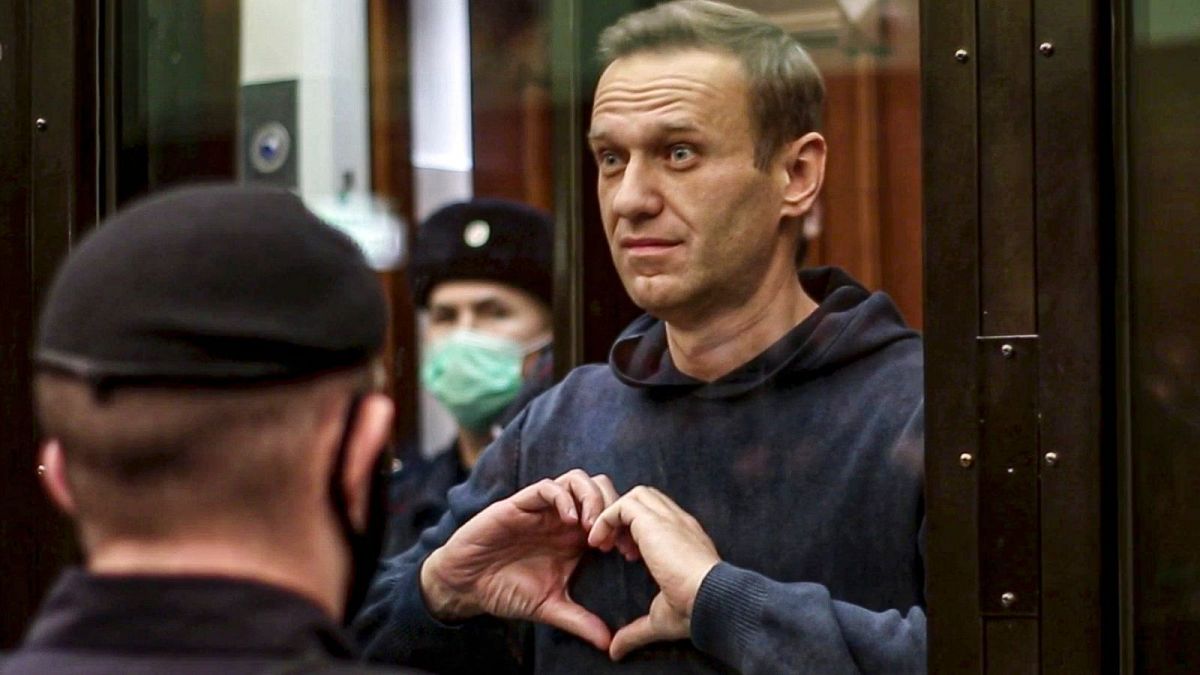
x=365 y=545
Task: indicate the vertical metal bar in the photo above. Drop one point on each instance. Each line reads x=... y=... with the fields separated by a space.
x=18 y=500
x=591 y=307
x=1066 y=42
x=1006 y=204
x=1008 y=476
x=950 y=160
x=1012 y=646
x=54 y=166
x=88 y=90
x=566 y=76
x=1039 y=170
x=46 y=196
x=1121 y=32
x=109 y=111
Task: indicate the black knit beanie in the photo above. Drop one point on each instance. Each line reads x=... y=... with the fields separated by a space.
x=215 y=285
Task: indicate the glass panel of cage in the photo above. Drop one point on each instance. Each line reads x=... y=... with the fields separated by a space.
x=380 y=113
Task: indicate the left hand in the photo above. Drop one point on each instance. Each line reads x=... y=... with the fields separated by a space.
x=677 y=552
x=515 y=558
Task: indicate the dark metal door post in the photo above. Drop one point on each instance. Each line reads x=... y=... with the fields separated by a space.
x=1017 y=451
x=48 y=196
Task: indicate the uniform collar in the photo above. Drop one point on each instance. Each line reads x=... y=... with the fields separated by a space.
x=206 y=615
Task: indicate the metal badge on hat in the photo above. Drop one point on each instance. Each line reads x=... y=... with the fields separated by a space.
x=477 y=233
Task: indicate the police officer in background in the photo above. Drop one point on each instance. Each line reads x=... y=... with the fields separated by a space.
x=481 y=270
x=206 y=385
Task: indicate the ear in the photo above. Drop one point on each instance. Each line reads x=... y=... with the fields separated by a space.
x=804 y=172
x=372 y=427
x=53 y=472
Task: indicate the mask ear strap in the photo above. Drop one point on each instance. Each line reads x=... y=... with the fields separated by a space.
x=364 y=544
x=337 y=489
x=538 y=345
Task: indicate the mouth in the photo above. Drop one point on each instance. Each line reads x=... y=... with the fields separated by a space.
x=647 y=245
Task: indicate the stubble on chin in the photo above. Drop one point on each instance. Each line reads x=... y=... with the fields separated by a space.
x=658 y=296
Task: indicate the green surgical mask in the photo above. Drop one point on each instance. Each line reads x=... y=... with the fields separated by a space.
x=476 y=376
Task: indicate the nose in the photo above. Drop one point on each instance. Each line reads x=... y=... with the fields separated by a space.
x=466 y=320
x=461 y=317
x=637 y=197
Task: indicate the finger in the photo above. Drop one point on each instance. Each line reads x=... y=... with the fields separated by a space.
x=566 y=615
x=620 y=516
x=618 y=538
x=545 y=494
x=654 y=500
x=623 y=541
x=563 y=501
x=659 y=501
x=637 y=634
x=607 y=491
x=606 y=486
x=627 y=546
x=586 y=492
x=604 y=531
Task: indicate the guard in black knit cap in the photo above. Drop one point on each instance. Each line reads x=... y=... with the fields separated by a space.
x=207 y=390
x=482 y=269
x=212 y=284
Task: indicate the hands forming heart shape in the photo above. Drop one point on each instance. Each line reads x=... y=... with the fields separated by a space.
x=515 y=559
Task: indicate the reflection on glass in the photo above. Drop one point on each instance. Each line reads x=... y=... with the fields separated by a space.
x=304 y=116
x=481 y=129
x=311 y=90
x=1164 y=239
x=869 y=220
x=481 y=280
x=802 y=463
x=175 y=112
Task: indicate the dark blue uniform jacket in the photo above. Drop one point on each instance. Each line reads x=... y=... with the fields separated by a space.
x=135 y=625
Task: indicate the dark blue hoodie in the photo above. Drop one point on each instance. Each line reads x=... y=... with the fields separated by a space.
x=804 y=465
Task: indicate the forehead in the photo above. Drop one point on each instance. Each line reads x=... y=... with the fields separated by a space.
x=694 y=85
x=467 y=292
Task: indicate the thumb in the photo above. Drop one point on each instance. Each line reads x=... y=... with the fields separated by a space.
x=575 y=619
x=631 y=636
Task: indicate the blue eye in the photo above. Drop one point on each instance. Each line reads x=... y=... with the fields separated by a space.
x=682 y=153
x=608 y=161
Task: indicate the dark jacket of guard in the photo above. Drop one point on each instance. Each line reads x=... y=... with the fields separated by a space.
x=417 y=492
x=804 y=465
x=210 y=286
x=417 y=496
x=181 y=625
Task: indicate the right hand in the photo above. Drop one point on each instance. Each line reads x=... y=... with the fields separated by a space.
x=515 y=558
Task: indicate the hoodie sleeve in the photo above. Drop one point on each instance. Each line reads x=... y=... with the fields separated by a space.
x=395 y=625
x=762 y=626
x=759 y=625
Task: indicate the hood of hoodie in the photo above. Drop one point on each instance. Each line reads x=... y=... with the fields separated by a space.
x=849 y=323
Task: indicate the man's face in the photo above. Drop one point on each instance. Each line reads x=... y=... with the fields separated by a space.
x=487 y=307
x=692 y=224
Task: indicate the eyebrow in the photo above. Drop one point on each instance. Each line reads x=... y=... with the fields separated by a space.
x=489 y=301
x=472 y=304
